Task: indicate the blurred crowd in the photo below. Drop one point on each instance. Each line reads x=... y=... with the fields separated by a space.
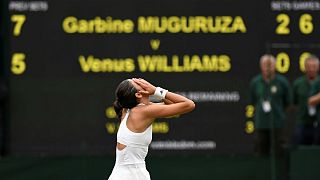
x=273 y=98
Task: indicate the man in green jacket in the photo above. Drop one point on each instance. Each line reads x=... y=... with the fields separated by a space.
x=270 y=95
x=314 y=101
x=306 y=115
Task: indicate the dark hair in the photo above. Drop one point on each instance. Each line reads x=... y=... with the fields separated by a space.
x=125 y=97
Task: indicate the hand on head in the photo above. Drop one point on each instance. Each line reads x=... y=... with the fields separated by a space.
x=145 y=87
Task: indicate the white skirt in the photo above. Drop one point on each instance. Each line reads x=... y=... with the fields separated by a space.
x=130 y=172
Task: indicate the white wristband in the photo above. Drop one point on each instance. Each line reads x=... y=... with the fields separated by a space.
x=160 y=93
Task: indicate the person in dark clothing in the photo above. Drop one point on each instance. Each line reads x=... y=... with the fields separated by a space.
x=306 y=116
x=314 y=101
x=270 y=95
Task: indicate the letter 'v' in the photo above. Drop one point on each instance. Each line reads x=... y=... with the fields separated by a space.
x=155 y=44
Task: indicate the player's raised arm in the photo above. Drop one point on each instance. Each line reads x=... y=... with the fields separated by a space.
x=179 y=105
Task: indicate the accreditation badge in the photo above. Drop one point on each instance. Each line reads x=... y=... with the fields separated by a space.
x=274 y=89
x=312 y=110
x=266 y=106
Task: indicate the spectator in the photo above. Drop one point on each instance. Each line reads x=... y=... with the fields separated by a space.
x=306 y=115
x=270 y=95
x=314 y=101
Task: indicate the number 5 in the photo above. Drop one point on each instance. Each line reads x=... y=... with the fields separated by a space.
x=18 y=65
x=19 y=20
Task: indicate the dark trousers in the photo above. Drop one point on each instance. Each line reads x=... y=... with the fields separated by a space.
x=305 y=134
x=263 y=148
x=263 y=141
x=317 y=134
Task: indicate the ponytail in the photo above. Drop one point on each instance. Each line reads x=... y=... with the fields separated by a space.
x=118 y=109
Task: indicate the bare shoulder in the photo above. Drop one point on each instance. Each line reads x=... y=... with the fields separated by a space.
x=140 y=112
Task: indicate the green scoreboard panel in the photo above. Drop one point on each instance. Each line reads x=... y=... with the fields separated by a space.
x=67 y=57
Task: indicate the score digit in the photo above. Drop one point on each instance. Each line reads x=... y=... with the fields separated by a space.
x=18 y=64
x=19 y=20
x=305 y=24
x=282 y=62
x=283 y=20
x=302 y=59
x=249 y=128
x=249 y=111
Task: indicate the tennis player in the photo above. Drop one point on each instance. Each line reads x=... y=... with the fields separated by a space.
x=137 y=114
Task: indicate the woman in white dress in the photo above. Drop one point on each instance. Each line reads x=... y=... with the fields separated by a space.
x=137 y=113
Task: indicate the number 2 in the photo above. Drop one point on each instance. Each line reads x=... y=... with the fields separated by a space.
x=283 y=20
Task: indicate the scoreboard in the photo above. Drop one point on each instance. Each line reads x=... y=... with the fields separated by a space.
x=66 y=59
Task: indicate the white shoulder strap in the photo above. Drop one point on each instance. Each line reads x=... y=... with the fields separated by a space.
x=126 y=116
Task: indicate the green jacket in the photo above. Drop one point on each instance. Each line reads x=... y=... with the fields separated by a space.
x=278 y=93
x=315 y=88
x=302 y=89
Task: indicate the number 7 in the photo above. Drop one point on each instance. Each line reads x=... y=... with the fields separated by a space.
x=19 y=20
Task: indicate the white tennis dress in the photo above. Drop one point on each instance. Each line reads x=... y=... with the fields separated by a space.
x=130 y=162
